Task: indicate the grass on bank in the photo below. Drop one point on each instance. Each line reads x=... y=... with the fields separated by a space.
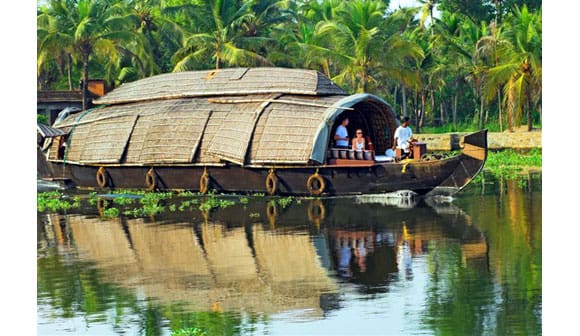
x=511 y=163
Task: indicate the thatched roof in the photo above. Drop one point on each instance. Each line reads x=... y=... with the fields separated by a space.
x=234 y=81
x=250 y=129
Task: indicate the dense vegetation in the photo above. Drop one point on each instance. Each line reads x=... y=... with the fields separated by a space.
x=445 y=62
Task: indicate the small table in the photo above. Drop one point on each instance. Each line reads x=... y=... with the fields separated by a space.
x=419 y=148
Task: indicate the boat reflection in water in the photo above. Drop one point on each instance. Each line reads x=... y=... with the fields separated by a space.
x=264 y=258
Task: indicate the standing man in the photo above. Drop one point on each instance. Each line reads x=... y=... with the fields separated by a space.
x=403 y=138
x=341 y=135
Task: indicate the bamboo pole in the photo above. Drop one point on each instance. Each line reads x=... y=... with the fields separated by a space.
x=293 y=102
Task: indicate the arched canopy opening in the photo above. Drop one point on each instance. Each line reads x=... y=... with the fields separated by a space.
x=366 y=111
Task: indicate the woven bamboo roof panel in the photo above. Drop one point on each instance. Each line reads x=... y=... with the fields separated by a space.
x=174 y=133
x=107 y=140
x=285 y=132
x=219 y=113
x=232 y=139
x=76 y=142
x=223 y=82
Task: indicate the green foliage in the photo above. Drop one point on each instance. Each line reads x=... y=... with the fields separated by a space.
x=213 y=202
x=476 y=56
x=55 y=201
x=41 y=119
x=286 y=201
x=123 y=200
x=111 y=213
x=188 y=332
x=511 y=163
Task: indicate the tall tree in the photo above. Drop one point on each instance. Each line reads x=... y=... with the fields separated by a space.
x=86 y=29
x=519 y=66
x=218 y=34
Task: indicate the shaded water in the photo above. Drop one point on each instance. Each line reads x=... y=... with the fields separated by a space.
x=357 y=265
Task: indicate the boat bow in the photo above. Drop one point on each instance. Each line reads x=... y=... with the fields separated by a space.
x=473 y=156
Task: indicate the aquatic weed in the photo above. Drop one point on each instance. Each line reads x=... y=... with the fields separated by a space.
x=214 y=202
x=111 y=213
x=55 y=200
x=123 y=200
x=286 y=201
x=189 y=332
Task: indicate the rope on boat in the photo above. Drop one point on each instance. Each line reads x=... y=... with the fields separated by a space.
x=405 y=164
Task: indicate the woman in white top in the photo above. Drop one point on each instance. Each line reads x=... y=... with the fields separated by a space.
x=359 y=143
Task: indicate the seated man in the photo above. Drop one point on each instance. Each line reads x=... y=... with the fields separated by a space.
x=404 y=139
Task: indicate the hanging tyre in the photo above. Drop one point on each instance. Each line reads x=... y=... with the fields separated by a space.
x=102 y=177
x=271 y=183
x=315 y=184
x=151 y=180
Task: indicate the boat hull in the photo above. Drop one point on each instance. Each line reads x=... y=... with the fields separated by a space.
x=444 y=176
x=420 y=177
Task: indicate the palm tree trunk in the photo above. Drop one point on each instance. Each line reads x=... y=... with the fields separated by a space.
x=441 y=108
x=432 y=109
x=421 y=114
x=69 y=72
x=529 y=110
x=395 y=97
x=85 y=82
x=481 y=107
x=404 y=94
x=455 y=101
x=499 y=106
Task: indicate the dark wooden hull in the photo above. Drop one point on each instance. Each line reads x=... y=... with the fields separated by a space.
x=447 y=175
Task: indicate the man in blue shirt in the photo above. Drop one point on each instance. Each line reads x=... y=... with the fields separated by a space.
x=341 y=135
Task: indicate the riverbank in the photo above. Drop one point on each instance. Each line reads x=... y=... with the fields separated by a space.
x=518 y=139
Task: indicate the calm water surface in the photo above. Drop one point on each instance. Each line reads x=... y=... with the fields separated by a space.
x=339 y=266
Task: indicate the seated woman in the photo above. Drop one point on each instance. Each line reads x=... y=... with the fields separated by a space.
x=359 y=142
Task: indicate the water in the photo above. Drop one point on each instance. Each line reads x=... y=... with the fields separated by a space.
x=340 y=266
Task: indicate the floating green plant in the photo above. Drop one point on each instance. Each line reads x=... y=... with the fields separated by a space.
x=214 y=202
x=285 y=201
x=188 y=332
x=55 y=200
x=111 y=213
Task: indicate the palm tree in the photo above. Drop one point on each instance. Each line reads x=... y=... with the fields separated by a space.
x=360 y=43
x=519 y=65
x=427 y=8
x=85 y=29
x=217 y=33
x=159 y=36
x=302 y=42
x=486 y=52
